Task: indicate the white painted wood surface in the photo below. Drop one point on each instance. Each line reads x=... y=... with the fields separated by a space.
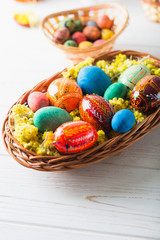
x=118 y=198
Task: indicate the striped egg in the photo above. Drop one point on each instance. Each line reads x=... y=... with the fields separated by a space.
x=74 y=136
x=97 y=111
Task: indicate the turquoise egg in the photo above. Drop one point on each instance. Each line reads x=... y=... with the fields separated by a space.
x=50 y=118
x=92 y=79
x=133 y=74
x=117 y=90
x=123 y=121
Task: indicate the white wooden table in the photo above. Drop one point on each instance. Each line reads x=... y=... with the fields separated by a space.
x=118 y=198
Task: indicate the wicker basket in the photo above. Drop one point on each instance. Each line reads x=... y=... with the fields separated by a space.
x=115 y=11
x=152 y=9
x=93 y=155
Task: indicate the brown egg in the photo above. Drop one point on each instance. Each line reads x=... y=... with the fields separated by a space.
x=92 y=33
x=104 y=22
x=61 y=35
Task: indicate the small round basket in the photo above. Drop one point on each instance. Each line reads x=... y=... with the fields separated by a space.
x=84 y=158
x=152 y=9
x=115 y=11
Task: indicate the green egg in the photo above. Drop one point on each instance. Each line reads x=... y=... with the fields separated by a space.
x=70 y=43
x=50 y=118
x=78 y=26
x=117 y=90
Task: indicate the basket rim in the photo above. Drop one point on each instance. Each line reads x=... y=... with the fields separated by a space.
x=77 y=50
x=151 y=3
x=27 y=158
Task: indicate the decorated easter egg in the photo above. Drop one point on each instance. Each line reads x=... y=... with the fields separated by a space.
x=106 y=34
x=97 y=111
x=50 y=118
x=123 y=121
x=146 y=94
x=85 y=44
x=37 y=100
x=78 y=26
x=79 y=37
x=92 y=79
x=99 y=41
x=92 y=33
x=133 y=74
x=117 y=90
x=67 y=23
x=70 y=43
x=64 y=93
x=75 y=136
x=104 y=22
x=61 y=35
x=91 y=23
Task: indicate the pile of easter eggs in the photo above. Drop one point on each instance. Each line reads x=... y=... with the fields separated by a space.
x=91 y=94
x=73 y=33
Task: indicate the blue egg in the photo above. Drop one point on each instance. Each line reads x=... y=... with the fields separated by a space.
x=92 y=23
x=123 y=121
x=92 y=79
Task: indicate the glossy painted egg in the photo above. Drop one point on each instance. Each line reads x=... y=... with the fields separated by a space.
x=85 y=44
x=37 y=100
x=92 y=79
x=117 y=90
x=50 y=118
x=97 y=111
x=133 y=74
x=145 y=96
x=92 y=33
x=79 y=37
x=70 y=43
x=61 y=35
x=74 y=136
x=78 y=26
x=123 y=121
x=104 y=22
x=64 y=93
x=106 y=34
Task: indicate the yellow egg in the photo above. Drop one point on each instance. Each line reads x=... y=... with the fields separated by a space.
x=106 y=34
x=85 y=44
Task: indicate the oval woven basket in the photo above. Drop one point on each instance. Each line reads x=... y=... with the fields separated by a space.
x=115 y=11
x=93 y=155
x=152 y=9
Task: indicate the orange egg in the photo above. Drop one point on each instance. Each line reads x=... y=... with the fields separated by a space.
x=64 y=93
x=104 y=22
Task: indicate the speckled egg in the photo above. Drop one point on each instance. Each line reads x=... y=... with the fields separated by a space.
x=85 y=44
x=133 y=74
x=106 y=34
x=92 y=33
x=37 y=100
x=123 y=121
x=64 y=93
x=75 y=136
x=92 y=79
x=78 y=26
x=97 y=111
x=118 y=90
x=61 y=35
x=92 y=23
x=70 y=43
x=50 y=118
x=145 y=96
x=99 y=41
x=104 y=22
x=67 y=23
x=79 y=37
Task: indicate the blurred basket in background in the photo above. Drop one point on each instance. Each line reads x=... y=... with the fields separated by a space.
x=115 y=11
x=152 y=9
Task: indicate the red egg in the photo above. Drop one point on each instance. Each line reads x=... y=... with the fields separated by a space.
x=145 y=96
x=92 y=33
x=79 y=37
x=75 y=136
x=97 y=111
x=104 y=22
x=37 y=100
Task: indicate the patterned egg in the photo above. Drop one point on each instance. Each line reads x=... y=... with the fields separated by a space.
x=92 y=79
x=79 y=37
x=49 y=118
x=67 y=23
x=146 y=94
x=78 y=26
x=74 y=136
x=106 y=34
x=61 y=35
x=123 y=121
x=70 y=43
x=117 y=90
x=133 y=74
x=104 y=22
x=64 y=93
x=92 y=33
x=97 y=111
x=85 y=44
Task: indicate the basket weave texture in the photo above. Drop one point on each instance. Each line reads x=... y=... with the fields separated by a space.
x=93 y=155
x=152 y=9
x=115 y=11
